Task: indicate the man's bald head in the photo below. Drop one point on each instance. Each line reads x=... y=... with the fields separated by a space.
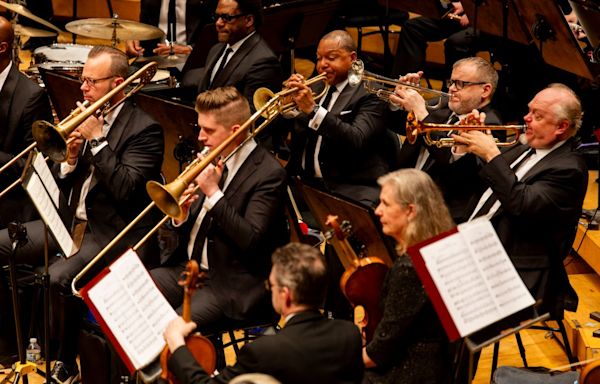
x=6 y=38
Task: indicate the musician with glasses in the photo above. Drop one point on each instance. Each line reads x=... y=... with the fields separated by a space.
x=108 y=164
x=241 y=58
x=309 y=349
x=471 y=86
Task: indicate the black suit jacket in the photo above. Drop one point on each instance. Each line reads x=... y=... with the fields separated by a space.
x=253 y=65
x=197 y=14
x=117 y=194
x=247 y=224
x=309 y=349
x=356 y=145
x=538 y=217
x=21 y=103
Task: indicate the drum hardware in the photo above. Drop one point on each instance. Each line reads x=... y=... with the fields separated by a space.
x=21 y=10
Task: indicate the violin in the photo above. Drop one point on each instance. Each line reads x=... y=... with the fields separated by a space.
x=363 y=277
x=201 y=348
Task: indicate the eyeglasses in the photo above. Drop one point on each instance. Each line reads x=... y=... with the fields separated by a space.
x=226 y=18
x=92 y=82
x=460 y=84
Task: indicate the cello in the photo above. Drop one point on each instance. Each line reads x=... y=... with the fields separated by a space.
x=363 y=277
x=200 y=347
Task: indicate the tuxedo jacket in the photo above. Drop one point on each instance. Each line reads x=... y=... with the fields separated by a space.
x=197 y=14
x=117 y=194
x=252 y=66
x=356 y=147
x=21 y=103
x=309 y=349
x=538 y=217
x=246 y=225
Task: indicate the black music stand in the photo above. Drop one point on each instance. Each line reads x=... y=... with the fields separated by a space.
x=365 y=226
x=553 y=37
x=427 y=8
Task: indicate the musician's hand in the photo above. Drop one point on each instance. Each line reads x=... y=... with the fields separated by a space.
x=91 y=128
x=478 y=143
x=176 y=332
x=464 y=20
x=367 y=360
x=73 y=147
x=474 y=118
x=133 y=48
x=208 y=179
x=188 y=197
x=178 y=49
x=411 y=78
x=410 y=100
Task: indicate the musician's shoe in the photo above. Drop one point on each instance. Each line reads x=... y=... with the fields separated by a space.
x=63 y=374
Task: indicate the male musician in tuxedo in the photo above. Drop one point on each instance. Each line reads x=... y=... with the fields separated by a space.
x=535 y=193
x=242 y=57
x=232 y=225
x=309 y=349
x=187 y=16
x=339 y=141
x=109 y=161
x=21 y=103
x=471 y=86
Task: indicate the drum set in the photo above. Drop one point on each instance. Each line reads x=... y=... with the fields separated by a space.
x=70 y=58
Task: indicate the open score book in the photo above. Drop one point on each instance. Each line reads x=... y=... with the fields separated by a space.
x=130 y=309
x=469 y=278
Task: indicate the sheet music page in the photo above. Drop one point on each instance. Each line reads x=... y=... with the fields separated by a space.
x=133 y=308
x=475 y=277
x=35 y=188
x=41 y=168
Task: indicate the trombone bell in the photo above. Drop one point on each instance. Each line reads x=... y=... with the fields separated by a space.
x=50 y=140
x=166 y=197
x=260 y=98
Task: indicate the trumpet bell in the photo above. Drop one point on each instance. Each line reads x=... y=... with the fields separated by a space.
x=166 y=197
x=260 y=98
x=50 y=140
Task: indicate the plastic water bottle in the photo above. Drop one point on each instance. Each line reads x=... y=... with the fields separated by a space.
x=34 y=352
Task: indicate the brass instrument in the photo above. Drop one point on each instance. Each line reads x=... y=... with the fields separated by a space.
x=263 y=95
x=376 y=84
x=168 y=197
x=415 y=127
x=52 y=140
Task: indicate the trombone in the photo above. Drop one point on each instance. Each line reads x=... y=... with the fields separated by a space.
x=52 y=139
x=415 y=127
x=168 y=197
x=263 y=95
x=376 y=84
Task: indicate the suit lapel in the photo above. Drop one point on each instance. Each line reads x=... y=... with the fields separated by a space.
x=210 y=65
x=6 y=96
x=235 y=61
x=344 y=99
x=246 y=170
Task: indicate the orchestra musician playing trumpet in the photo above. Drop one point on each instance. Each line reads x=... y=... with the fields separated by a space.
x=471 y=86
x=534 y=193
x=340 y=141
x=233 y=223
x=109 y=160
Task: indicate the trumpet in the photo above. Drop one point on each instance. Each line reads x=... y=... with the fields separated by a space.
x=168 y=197
x=52 y=140
x=414 y=128
x=263 y=95
x=376 y=84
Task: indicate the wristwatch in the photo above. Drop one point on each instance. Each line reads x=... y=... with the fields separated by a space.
x=97 y=141
x=314 y=111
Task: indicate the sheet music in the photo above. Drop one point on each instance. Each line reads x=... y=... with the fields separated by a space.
x=42 y=201
x=475 y=277
x=41 y=168
x=133 y=308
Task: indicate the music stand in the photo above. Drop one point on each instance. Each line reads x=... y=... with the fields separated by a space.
x=589 y=18
x=365 y=226
x=426 y=8
x=553 y=36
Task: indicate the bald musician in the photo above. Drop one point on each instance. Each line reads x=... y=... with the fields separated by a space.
x=21 y=103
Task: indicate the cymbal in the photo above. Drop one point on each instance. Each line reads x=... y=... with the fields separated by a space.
x=21 y=10
x=164 y=61
x=103 y=29
x=23 y=30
